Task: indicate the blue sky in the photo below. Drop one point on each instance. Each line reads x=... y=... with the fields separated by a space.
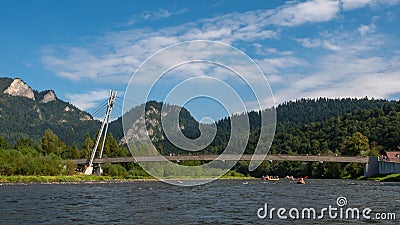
x=306 y=49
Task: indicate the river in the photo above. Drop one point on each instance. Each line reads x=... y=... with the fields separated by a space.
x=218 y=202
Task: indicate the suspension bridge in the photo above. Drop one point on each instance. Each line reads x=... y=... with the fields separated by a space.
x=372 y=164
x=245 y=157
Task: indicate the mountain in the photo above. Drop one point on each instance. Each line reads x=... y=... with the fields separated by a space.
x=305 y=126
x=304 y=111
x=134 y=121
x=25 y=112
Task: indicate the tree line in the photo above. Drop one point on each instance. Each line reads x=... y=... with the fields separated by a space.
x=348 y=127
x=27 y=158
x=352 y=127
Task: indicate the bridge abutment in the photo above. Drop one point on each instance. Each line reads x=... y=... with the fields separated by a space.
x=388 y=167
x=372 y=167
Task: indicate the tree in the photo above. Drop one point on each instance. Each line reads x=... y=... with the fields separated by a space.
x=87 y=146
x=23 y=143
x=115 y=170
x=50 y=143
x=355 y=144
x=352 y=170
x=375 y=149
x=70 y=152
x=110 y=147
x=3 y=143
x=70 y=168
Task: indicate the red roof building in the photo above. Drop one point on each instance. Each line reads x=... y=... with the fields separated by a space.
x=394 y=156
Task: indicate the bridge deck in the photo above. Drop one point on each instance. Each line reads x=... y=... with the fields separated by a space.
x=303 y=158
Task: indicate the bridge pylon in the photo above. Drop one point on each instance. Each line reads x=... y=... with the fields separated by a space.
x=104 y=127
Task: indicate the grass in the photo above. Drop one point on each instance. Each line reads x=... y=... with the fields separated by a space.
x=384 y=177
x=49 y=179
x=235 y=175
x=84 y=178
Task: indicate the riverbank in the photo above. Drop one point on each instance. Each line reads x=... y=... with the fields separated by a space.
x=385 y=178
x=70 y=178
x=84 y=178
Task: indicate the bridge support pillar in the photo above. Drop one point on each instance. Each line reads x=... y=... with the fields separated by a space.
x=372 y=167
x=98 y=171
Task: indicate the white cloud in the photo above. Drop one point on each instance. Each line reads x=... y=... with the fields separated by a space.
x=89 y=99
x=114 y=56
x=354 y=4
x=353 y=65
x=318 y=43
x=305 y=12
x=308 y=42
x=357 y=69
x=261 y=50
x=365 y=29
x=155 y=15
x=81 y=64
x=273 y=65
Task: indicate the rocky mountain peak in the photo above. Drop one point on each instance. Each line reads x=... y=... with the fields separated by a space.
x=48 y=97
x=20 y=88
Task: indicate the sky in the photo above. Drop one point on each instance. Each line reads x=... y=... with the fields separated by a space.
x=305 y=49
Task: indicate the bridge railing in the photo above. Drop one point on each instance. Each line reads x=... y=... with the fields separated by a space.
x=246 y=157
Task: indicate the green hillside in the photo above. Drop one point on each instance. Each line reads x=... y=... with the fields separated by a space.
x=316 y=126
x=39 y=123
x=22 y=117
x=305 y=126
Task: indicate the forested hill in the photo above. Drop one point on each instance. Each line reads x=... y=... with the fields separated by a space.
x=319 y=126
x=304 y=111
x=187 y=124
x=378 y=128
x=27 y=113
x=325 y=125
x=304 y=126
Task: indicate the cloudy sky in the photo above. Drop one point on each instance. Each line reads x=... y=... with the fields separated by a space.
x=306 y=49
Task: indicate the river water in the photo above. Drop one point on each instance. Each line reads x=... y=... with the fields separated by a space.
x=219 y=202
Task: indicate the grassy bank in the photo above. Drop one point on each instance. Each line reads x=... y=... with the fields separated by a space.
x=386 y=177
x=72 y=178
x=383 y=177
x=84 y=178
